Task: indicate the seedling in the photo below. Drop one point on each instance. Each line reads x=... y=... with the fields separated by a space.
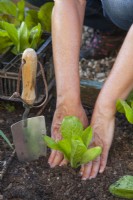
x=6 y=139
x=22 y=28
x=75 y=142
x=126 y=107
x=123 y=187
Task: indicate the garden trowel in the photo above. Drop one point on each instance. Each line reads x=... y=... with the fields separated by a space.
x=29 y=132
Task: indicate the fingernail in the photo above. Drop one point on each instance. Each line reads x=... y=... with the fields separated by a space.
x=84 y=179
x=101 y=171
x=91 y=177
x=52 y=166
x=80 y=173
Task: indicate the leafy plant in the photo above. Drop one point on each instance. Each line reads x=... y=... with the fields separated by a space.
x=16 y=13
x=21 y=27
x=6 y=139
x=126 y=107
x=11 y=12
x=42 y=16
x=75 y=142
x=123 y=187
x=20 y=38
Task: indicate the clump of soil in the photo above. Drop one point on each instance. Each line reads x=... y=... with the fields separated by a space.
x=36 y=180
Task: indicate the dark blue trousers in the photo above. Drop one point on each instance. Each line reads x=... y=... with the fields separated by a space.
x=104 y=15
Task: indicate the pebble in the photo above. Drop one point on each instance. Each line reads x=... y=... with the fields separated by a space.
x=130 y=166
x=1 y=197
x=2 y=121
x=97 y=70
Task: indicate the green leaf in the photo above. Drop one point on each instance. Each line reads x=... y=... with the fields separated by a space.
x=44 y=16
x=87 y=136
x=9 y=107
x=65 y=147
x=6 y=139
x=130 y=97
x=5 y=41
x=35 y=36
x=50 y=142
x=78 y=149
x=31 y=18
x=123 y=187
x=21 y=10
x=91 y=154
x=71 y=126
x=123 y=107
x=8 y=7
x=23 y=35
x=11 y=30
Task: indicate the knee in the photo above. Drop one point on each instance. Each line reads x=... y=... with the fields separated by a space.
x=115 y=8
x=119 y=11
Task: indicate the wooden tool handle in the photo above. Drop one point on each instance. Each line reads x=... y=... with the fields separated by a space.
x=29 y=70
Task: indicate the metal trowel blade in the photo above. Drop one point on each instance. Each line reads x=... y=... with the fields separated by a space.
x=28 y=140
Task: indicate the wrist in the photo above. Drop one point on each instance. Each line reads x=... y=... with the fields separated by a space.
x=105 y=107
x=70 y=99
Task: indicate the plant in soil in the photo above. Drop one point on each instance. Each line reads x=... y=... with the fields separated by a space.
x=22 y=28
x=123 y=187
x=75 y=142
x=126 y=107
x=6 y=139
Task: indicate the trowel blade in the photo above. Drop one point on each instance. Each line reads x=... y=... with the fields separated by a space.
x=28 y=140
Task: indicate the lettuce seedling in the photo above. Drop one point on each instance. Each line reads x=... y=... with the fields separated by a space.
x=126 y=107
x=123 y=187
x=75 y=142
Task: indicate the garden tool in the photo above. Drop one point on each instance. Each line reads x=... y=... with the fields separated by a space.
x=28 y=133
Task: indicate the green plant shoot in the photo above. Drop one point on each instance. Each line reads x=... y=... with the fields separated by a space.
x=126 y=107
x=75 y=142
x=21 y=27
x=6 y=139
x=123 y=187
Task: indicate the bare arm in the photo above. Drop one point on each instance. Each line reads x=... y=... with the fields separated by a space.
x=118 y=85
x=120 y=80
x=67 y=21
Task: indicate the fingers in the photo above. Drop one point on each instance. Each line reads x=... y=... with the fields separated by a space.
x=104 y=158
x=64 y=162
x=55 y=158
x=86 y=170
x=90 y=170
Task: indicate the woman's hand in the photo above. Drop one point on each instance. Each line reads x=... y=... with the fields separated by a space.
x=103 y=130
x=62 y=110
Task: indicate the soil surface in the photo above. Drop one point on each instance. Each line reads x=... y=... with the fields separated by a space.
x=37 y=181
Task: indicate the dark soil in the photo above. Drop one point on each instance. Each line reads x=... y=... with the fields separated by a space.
x=37 y=181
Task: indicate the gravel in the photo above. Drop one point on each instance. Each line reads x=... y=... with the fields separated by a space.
x=96 y=70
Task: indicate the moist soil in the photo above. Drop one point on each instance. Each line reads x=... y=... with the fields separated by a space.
x=37 y=181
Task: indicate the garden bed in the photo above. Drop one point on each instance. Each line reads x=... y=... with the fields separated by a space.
x=37 y=181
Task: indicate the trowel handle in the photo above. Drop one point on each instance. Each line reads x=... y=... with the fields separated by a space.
x=29 y=70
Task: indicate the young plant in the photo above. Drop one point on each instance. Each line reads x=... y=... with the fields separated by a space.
x=21 y=27
x=16 y=13
x=123 y=187
x=126 y=107
x=75 y=142
x=20 y=38
x=6 y=139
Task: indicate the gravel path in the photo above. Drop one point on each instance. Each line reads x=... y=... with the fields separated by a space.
x=97 y=70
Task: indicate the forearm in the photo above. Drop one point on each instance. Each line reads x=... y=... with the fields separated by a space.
x=120 y=80
x=67 y=20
